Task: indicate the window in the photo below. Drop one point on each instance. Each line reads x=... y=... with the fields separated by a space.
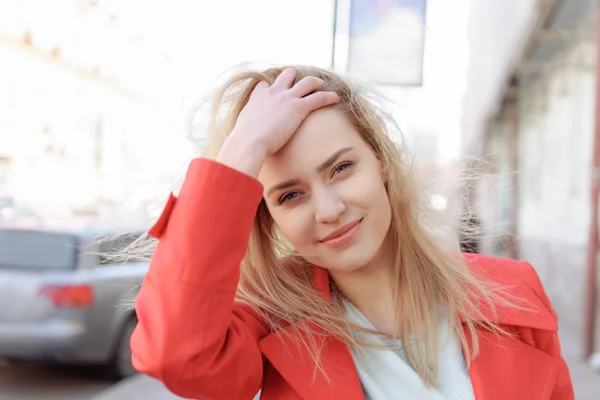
x=22 y=249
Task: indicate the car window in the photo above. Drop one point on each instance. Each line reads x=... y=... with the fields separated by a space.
x=21 y=249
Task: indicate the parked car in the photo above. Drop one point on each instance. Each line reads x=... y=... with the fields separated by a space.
x=62 y=300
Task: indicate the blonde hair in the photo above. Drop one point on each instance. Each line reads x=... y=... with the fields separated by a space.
x=278 y=283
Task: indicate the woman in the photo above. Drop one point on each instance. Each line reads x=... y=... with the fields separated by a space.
x=297 y=263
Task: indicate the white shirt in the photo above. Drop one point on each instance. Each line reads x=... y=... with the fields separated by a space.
x=386 y=375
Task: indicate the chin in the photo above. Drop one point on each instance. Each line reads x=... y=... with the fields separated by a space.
x=350 y=260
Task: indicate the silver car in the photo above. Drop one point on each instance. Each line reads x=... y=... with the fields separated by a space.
x=62 y=300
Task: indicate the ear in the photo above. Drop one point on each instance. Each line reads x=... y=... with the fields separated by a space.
x=383 y=171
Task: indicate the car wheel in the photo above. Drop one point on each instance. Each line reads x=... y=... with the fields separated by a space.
x=121 y=365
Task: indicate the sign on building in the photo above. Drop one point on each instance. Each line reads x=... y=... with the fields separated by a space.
x=380 y=41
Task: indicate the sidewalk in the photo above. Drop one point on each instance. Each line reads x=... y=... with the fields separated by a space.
x=137 y=388
x=585 y=380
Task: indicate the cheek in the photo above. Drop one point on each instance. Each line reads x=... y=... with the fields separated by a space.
x=296 y=226
x=367 y=192
x=372 y=199
x=381 y=204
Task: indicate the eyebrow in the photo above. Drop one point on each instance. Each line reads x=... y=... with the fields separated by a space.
x=323 y=166
x=283 y=185
x=329 y=162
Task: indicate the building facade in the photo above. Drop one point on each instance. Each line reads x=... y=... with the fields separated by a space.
x=535 y=132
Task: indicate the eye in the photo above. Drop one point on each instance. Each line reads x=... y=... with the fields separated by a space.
x=341 y=167
x=287 y=197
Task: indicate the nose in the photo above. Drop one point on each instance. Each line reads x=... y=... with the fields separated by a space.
x=328 y=206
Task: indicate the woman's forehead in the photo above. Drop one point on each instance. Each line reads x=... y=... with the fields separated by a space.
x=323 y=133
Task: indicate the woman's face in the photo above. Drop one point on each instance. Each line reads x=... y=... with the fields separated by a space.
x=325 y=191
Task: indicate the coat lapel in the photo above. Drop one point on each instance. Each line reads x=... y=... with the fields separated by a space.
x=297 y=367
x=513 y=368
x=509 y=369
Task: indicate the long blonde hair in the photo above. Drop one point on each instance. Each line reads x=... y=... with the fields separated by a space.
x=279 y=285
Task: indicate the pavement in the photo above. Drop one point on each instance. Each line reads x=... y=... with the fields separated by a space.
x=38 y=381
x=586 y=380
x=137 y=388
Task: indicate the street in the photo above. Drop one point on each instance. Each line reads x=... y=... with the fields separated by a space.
x=586 y=381
x=37 y=382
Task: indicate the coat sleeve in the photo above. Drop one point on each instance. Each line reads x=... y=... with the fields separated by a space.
x=192 y=335
x=548 y=341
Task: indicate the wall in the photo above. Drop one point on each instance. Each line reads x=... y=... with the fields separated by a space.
x=556 y=119
x=496 y=35
x=74 y=142
x=494 y=191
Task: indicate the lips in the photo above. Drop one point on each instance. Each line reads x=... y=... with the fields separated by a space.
x=343 y=234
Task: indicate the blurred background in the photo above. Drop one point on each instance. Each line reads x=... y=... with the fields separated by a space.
x=95 y=98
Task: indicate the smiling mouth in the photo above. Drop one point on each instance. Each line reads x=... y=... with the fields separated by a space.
x=343 y=235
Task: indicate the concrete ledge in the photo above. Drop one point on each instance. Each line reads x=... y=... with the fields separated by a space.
x=139 y=387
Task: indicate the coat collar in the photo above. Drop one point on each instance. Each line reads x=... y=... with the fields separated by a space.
x=510 y=369
x=504 y=369
x=297 y=367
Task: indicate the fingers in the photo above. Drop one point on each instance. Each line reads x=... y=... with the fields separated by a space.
x=308 y=91
x=259 y=86
x=320 y=99
x=285 y=79
x=306 y=86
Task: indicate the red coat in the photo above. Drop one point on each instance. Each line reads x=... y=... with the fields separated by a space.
x=200 y=344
